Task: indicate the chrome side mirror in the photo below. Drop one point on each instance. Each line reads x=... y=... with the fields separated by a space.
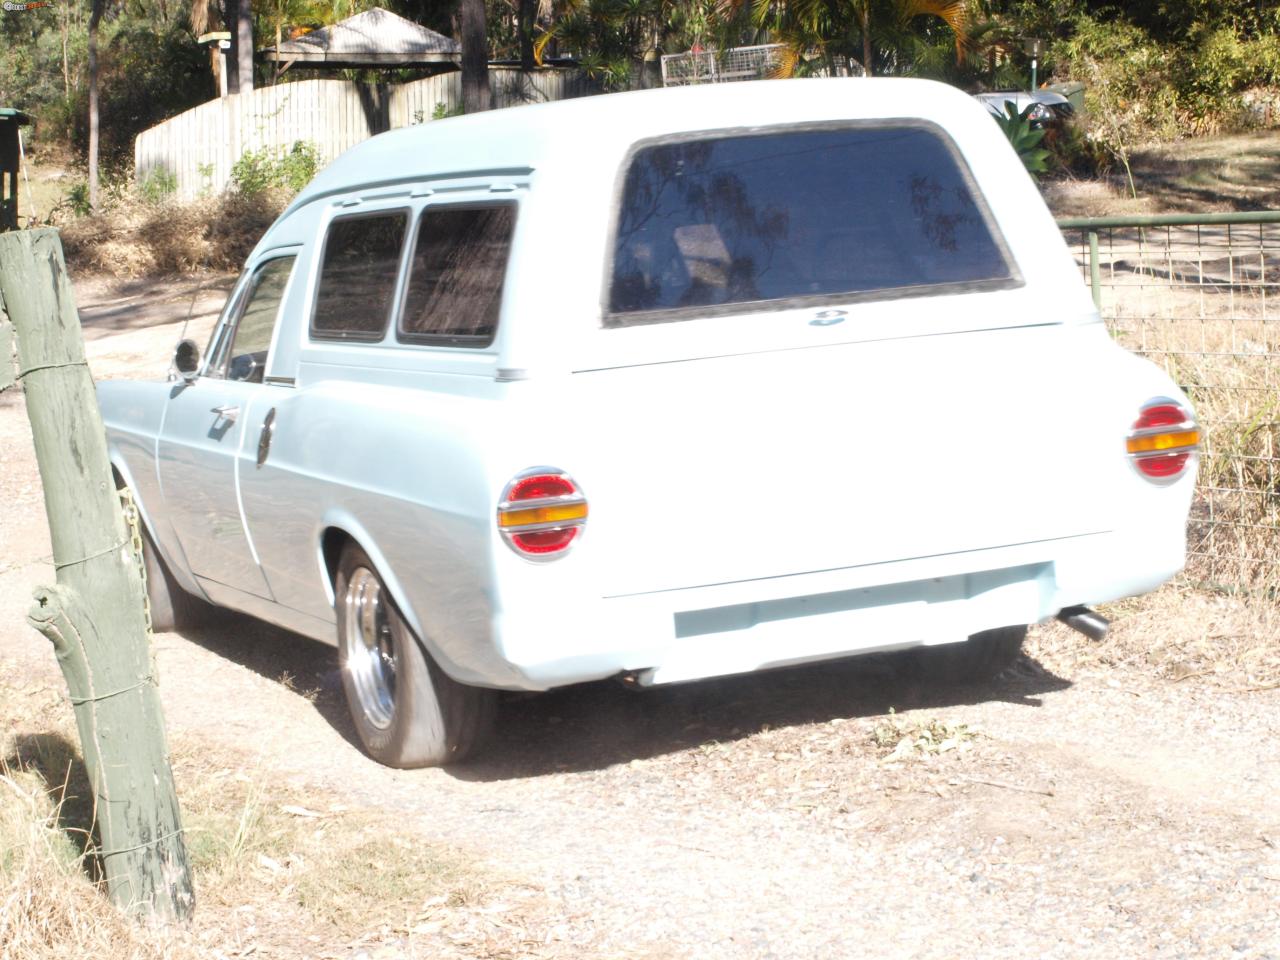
x=186 y=359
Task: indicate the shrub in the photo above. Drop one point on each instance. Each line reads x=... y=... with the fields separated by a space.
x=1024 y=140
x=258 y=171
x=157 y=185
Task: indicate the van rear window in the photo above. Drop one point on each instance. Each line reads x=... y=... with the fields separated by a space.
x=719 y=224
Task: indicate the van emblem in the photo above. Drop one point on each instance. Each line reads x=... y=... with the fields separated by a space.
x=827 y=318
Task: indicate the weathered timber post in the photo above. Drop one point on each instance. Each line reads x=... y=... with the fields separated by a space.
x=95 y=616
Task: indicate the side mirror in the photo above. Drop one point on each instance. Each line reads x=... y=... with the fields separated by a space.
x=186 y=359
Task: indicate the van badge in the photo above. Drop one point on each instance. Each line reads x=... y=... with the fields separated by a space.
x=827 y=318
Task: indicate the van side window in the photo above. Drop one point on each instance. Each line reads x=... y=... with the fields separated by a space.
x=249 y=334
x=732 y=223
x=358 y=276
x=456 y=275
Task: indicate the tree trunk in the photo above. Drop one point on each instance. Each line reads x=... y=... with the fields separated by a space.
x=868 y=69
x=239 y=22
x=243 y=32
x=95 y=616
x=526 y=17
x=475 y=56
x=231 y=12
x=95 y=17
x=64 y=22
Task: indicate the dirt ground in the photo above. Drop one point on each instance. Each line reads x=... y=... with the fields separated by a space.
x=1197 y=175
x=1097 y=801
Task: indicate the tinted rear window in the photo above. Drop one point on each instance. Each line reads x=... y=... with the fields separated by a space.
x=804 y=213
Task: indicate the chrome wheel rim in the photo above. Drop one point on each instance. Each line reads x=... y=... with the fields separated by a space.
x=370 y=647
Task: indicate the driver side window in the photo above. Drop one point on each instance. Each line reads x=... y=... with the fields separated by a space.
x=245 y=358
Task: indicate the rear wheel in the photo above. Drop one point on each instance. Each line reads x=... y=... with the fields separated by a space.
x=979 y=658
x=407 y=711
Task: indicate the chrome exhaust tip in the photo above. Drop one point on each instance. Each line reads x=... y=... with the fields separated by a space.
x=1092 y=625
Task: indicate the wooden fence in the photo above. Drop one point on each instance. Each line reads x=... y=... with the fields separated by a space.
x=198 y=148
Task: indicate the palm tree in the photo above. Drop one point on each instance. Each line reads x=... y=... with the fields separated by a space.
x=835 y=29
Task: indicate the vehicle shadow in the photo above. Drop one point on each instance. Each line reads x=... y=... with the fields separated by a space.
x=591 y=726
x=297 y=663
x=595 y=725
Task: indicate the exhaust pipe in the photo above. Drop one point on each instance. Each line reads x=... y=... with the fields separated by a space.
x=1092 y=625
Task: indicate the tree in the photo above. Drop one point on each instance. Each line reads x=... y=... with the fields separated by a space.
x=95 y=19
x=475 y=56
x=239 y=16
x=838 y=31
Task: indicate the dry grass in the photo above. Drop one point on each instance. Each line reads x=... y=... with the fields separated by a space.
x=1180 y=633
x=1202 y=303
x=135 y=239
x=280 y=870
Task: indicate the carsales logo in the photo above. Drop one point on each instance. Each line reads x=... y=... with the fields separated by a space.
x=11 y=7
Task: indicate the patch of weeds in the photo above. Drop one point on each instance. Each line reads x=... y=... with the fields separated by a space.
x=255 y=841
x=378 y=874
x=157 y=185
x=900 y=739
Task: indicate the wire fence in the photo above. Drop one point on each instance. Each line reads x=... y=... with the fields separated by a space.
x=1200 y=295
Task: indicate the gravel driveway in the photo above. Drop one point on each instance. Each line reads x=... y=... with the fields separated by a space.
x=1074 y=808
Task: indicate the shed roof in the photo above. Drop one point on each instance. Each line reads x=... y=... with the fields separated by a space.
x=9 y=113
x=374 y=37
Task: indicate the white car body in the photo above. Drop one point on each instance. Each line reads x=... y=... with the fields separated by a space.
x=805 y=480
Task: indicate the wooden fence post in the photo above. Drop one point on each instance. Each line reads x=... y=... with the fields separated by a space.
x=95 y=616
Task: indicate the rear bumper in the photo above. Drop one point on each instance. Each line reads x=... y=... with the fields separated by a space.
x=699 y=632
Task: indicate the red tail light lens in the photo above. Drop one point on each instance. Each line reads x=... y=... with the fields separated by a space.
x=1163 y=440
x=542 y=513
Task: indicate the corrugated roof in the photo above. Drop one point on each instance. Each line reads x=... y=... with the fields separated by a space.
x=9 y=113
x=376 y=36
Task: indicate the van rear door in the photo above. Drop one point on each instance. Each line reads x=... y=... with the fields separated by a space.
x=824 y=357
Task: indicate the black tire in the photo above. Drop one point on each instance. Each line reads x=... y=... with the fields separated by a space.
x=979 y=658
x=172 y=608
x=407 y=711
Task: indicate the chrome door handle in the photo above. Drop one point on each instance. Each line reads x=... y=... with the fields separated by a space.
x=227 y=412
x=264 y=438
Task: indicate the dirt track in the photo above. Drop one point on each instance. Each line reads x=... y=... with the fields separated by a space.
x=1072 y=809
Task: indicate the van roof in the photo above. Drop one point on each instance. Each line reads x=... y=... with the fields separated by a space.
x=528 y=137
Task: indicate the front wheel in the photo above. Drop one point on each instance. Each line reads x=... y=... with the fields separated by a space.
x=979 y=658
x=407 y=711
x=170 y=607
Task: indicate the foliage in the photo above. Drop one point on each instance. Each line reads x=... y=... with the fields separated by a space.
x=442 y=111
x=878 y=36
x=609 y=38
x=157 y=185
x=1024 y=140
x=258 y=171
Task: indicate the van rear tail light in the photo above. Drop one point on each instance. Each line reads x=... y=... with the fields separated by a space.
x=542 y=513
x=1163 y=440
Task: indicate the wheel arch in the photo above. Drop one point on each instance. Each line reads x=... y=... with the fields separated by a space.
x=340 y=528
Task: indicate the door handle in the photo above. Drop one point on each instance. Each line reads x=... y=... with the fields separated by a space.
x=227 y=412
x=264 y=438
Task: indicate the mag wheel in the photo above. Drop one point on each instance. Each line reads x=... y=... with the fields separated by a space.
x=407 y=711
